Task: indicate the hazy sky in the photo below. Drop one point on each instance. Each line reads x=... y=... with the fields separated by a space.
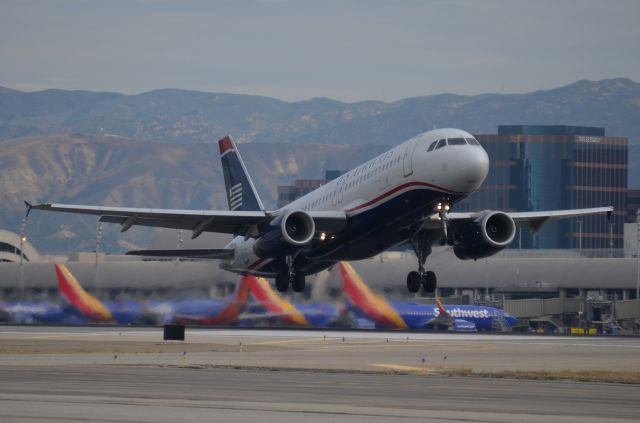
x=293 y=50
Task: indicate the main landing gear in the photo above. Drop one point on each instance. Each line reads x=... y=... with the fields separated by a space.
x=421 y=243
x=422 y=247
x=290 y=277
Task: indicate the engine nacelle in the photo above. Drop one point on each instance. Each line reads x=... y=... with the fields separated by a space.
x=285 y=235
x=487 y=235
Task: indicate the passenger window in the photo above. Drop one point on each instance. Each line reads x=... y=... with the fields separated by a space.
x=473 y=141
x=441 y=143
x=457 y=141
x=432 y=146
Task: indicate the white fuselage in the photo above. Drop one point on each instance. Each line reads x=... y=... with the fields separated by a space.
x=455 y=170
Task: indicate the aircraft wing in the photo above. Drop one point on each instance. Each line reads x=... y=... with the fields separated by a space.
x=197 y=221
x=534 y=220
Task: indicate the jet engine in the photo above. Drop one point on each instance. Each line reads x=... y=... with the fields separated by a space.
x=487 y=235
x=285 y=235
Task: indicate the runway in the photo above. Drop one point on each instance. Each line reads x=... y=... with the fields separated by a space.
x=130 y=375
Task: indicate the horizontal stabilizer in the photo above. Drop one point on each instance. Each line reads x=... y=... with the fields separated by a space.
x=196 y=254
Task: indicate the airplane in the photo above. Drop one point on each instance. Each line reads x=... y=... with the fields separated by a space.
x=214 y=312
x=200 y=311
x=409 y=315
x=29 y=312
x=403 y=195
x=272 y=304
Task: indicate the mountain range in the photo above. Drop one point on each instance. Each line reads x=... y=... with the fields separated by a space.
x=155 y=149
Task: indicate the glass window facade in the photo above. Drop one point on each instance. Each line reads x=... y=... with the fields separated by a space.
x=557 y=167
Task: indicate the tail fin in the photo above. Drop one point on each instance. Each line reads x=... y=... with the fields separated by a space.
x=275 y=304
x=443 y=312
x=231 y=311
x=372 y=304
x=241 y=296
x=75 y=294
x=241 y=193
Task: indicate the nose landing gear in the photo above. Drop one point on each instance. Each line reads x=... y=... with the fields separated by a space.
x=421 y=244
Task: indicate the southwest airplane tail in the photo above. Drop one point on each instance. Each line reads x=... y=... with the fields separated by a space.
x=373 y=305
x=462 y=318
x=276 y=305
x=88 y=305
x=234 y=306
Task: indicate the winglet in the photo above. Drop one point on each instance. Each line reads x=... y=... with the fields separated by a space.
x=29 y=208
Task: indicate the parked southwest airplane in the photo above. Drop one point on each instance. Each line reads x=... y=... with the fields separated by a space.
x=409 y=315
x=403 y=195
x=273 y=305
x=199 y=311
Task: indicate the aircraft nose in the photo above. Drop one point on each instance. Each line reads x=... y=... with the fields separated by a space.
x=477 y=168
x=472 y=167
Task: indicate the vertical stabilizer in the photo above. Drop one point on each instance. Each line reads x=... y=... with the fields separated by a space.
x=372 y=304
x=241 y=193
x=234 y=307
x=275 y=304
x=88 y=305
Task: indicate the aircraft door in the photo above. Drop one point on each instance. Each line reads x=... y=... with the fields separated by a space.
x=407 y=158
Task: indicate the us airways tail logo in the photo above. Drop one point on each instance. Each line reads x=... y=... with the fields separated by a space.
x=235 y=196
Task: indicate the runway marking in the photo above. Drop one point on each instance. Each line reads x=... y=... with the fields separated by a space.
x=402 y=368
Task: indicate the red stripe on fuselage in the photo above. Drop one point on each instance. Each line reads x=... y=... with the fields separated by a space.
x=399 y=188
x=256 y=264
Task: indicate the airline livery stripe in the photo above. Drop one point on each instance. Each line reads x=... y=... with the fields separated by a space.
x=399 y=188
x=234 y=189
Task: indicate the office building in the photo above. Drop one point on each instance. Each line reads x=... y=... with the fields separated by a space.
x=539 y=167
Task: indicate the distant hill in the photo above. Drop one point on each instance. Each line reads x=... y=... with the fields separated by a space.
x=191 y=116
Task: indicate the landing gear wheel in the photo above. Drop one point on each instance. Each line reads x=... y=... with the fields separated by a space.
x=298 y=282
x=413 y=282
x=429 y=282
x=282 y=282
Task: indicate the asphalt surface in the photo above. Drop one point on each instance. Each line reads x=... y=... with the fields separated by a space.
x=130 y=375
x=122 y=394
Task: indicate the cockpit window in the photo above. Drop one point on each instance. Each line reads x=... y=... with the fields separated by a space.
x=441 y=143
x=473 y=141
x=432 y=146
x=457 y=141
